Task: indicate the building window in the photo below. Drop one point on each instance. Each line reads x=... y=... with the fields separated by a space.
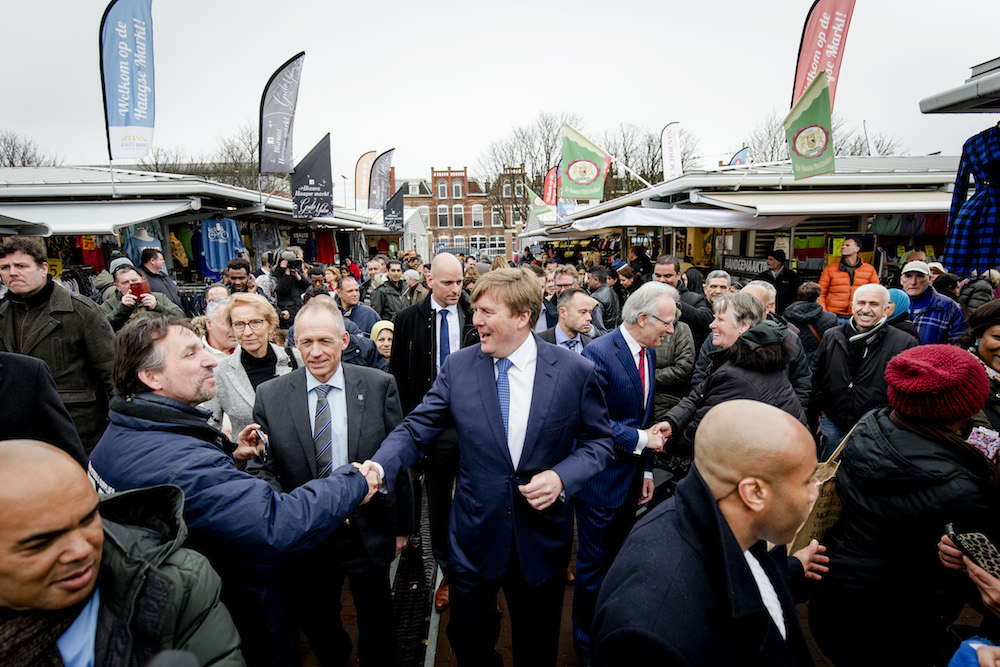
x=443 y=240
x=459 y=240
x=414 y=188
x=442 y=190
x=458 y=213
x=477 y=215
x=497 y=216
x=497 y=245
x=519 y=188
x=443 y=215
x=478 y=242
x=506 y=188
x=456 y=189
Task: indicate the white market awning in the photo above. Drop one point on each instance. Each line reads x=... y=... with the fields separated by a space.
x=678 y=216
x=829 y=202
x=87 y=217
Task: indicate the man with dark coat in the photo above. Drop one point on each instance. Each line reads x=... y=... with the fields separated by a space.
x=425 y=334
x=31 y=406
x=158 y=435
x=319 y=418
x=349 y=297
x=390 y=297
x=849 y=366
x=571 y=330
x=65 y=330
x=58 y=541
x=785 y=281
x=151 y=265
x=605 y=296
x=695 y=311
x=809 y=317
x=694 y=583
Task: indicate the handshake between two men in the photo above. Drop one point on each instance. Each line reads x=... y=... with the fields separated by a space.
x=541 y=491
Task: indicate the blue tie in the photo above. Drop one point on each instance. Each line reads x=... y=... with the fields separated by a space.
x=503 y=392
x=444 y=348
x=322 y=432
x=571 y=344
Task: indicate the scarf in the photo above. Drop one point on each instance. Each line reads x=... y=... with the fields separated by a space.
x=849 y=268
x=859 y=341
x=973 y=459
x=29 y=637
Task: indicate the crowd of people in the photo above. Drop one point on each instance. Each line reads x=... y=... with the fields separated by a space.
x=249 y=461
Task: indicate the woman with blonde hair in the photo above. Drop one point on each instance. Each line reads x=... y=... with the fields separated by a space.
x=255 y=360
x=499 y=262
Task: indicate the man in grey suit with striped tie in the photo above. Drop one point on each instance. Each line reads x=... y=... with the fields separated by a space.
x=318 y=418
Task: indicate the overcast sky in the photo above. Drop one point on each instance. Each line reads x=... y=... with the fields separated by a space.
x=438 y=80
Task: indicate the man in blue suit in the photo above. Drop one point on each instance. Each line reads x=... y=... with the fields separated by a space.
x=527 y=445
x=625 y=360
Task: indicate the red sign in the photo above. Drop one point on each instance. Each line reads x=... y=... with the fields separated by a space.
x=822 y=46
x=550 y=191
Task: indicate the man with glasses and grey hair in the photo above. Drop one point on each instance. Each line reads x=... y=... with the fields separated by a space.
x=625 y=361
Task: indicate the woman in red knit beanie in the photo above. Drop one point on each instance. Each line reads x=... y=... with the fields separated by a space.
x=906 y=473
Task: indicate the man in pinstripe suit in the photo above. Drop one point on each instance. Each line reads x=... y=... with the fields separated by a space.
x=625 y=361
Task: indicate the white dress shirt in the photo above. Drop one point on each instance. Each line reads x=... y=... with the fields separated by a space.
x=561 y=339
x=454 y=330
x=768 y=595
x=521 y=377
x=337 y=400
x=634 y=348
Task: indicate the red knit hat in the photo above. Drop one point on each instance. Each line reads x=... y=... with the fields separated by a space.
x=939 y=382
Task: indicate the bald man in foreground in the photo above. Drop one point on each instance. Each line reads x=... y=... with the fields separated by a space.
x=694 y=583
x=111 y=577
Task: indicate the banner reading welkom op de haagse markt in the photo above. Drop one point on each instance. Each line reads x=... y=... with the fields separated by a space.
x=584 y=167
x=127 y=77
x=809 y=131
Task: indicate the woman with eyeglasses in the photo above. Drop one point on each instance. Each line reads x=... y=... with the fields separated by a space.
x=255 y=360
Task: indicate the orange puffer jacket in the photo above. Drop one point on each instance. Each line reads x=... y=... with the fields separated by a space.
x=838 y=290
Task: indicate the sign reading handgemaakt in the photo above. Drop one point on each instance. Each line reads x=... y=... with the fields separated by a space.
x=312 y=183
x=277 y=115
x=126 y=42
x=809 y=131
x=744 y=267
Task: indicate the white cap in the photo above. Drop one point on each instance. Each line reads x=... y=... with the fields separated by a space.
x=918 y=266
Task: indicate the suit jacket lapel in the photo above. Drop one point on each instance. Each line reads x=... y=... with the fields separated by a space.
x=487 y=385
x=628 y=362
x=240 y=380
x=355 y=400
x=297 y=403
x=546 y=381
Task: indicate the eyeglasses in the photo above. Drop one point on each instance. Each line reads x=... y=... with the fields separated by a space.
x=663 y=322
x=255 y=325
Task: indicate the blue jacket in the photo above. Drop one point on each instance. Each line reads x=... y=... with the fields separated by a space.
x=937 y=318
x=568 y=432
x=244 y=527
x=619 y=380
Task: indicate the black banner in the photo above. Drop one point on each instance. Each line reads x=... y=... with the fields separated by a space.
x=277 y=115
x=392 y=214
x=744 y=267
x=378 y=184
x=312 y=183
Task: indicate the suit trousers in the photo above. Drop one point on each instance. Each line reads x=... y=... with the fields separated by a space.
x=313 y=587
x=440 y=469
x=601 y=531
x=535 y=612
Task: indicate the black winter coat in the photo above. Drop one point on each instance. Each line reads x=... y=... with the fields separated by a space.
x=847 y=385
x=899 y=490
x=804 y=313
x=976 y=293
x=753 y=368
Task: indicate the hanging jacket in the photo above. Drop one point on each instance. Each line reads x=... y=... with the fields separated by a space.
x=974 y=230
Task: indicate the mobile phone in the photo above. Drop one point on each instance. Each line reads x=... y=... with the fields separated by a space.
x=978 y=548
x=265 y=449
x=138 y=289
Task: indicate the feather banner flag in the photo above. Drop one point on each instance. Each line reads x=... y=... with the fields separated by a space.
x=127 y=77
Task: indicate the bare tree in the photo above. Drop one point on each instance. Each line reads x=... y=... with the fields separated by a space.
x=642 y=150
x=168 y=161
x=767 y=140
x=20 y=151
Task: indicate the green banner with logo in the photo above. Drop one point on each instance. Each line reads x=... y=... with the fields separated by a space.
x=809 y=131
x=584 y=167
x=538 y=206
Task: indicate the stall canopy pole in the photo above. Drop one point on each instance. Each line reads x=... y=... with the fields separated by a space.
x=114 y=195
x=271 y=193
